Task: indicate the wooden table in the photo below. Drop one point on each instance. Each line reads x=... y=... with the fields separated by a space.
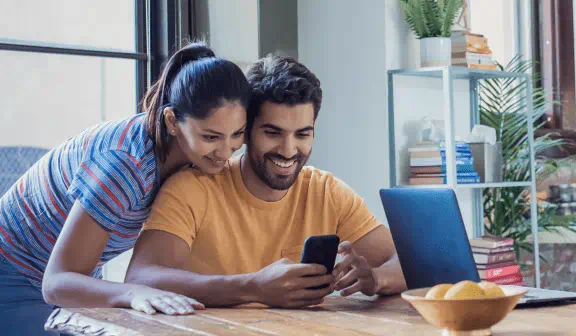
x=357 y=315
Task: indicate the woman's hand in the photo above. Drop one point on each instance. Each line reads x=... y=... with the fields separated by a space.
x=149 y=300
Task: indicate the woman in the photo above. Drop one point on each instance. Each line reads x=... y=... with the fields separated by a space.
x=85 y=202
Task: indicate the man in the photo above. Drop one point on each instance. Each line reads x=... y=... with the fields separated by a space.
x=237 y=237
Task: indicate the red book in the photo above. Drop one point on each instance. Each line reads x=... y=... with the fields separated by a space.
x=499 y=265
x=494 y=273
x=508 y=280
x=494 y=258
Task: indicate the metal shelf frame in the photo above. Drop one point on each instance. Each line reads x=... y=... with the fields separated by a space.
x=448 y=75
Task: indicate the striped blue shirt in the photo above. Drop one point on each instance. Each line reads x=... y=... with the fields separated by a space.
x=110 y=169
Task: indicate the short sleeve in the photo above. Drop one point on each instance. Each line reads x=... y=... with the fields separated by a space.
x=180 y=206
x=355 y=219
x=109 y=187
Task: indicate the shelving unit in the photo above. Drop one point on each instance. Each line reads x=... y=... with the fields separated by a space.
x=448 y=75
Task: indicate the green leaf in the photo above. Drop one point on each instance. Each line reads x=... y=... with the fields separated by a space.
x=450 y=10
x=503 y=106
x=432 y=17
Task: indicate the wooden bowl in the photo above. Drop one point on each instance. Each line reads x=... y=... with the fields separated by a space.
x=466 y=316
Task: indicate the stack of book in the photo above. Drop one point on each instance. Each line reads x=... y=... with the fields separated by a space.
x=496 y=260
x=472 y=51
x=428 y=164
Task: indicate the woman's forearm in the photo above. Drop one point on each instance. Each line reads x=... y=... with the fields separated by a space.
x=211 y=290
x=69 y=289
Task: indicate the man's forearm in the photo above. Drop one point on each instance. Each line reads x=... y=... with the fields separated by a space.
x=211 y=290
x=390 y=277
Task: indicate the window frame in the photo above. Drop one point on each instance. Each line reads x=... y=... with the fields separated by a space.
x=141 y=56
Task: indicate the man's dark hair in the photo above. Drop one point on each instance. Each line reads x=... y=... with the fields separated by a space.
x=281 y=80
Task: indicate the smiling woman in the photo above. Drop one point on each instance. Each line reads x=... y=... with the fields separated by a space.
x=84 y=202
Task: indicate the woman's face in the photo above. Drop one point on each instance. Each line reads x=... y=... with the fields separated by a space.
x=210 y=142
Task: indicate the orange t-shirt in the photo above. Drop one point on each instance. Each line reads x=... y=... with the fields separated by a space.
x=230 y=231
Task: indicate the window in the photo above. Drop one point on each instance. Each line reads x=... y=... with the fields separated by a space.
x=554 y=54
x=67 y=65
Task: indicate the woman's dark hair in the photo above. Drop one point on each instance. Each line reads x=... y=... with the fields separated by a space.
x=193 y=83
x=282 y=80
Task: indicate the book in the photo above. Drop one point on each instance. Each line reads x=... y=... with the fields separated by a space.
x=429 y=146
x=469 y=61
x=441 y=169
x=467 y=174
x=494 y=258
x=439 y=154
x=483 y=66
x=419 y=162
x=488 y=241
x=500 y=272
x=442 y=180
x=507 y=280
x=498 y=265
x=483 y=250
x=471 y=56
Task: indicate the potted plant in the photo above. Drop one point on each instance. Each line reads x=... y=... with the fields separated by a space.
x=431 y=21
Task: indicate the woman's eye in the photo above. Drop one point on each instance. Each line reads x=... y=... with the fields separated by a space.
x=210 y=137
x=239 y=134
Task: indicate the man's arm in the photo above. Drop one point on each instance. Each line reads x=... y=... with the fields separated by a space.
x=370 y=265
x=157 y=262
x=159 y=256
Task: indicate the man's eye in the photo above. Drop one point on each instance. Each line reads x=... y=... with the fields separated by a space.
x=272 y=133
x=303 y=135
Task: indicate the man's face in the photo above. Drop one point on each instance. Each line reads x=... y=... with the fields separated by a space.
x=280 y=143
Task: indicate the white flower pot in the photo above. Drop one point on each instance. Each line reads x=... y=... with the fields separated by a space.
x=435 y=51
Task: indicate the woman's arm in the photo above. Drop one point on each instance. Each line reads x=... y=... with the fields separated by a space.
x=67 y=281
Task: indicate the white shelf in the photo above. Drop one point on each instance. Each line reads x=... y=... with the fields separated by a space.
x=469 y=185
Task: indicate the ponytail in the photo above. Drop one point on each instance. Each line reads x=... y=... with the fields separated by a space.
x=157 y=98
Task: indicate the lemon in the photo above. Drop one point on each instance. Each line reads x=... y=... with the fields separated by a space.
x=491 y=289
x=465 y=290
x=438 y=291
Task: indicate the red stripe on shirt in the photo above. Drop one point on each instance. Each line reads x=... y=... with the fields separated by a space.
x=121 y=142
x=104 y=187
x=125 y=235
x=33 y=219
x=5 y=254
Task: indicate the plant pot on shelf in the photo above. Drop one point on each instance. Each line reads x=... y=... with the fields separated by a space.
x=435 y=51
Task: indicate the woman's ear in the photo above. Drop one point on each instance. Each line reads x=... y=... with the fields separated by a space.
x=170 y=120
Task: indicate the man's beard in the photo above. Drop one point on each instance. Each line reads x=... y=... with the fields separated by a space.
x=271 y=179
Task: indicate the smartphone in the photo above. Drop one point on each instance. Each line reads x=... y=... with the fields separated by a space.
x=321 y=250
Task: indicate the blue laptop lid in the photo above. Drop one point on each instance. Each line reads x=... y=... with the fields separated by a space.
x=430 y=237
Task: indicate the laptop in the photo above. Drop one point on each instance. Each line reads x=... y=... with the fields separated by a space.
x=432 y=244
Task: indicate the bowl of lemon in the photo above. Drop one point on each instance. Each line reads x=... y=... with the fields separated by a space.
x=465 y=308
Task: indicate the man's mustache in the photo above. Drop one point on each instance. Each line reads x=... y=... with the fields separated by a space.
x=277 y=156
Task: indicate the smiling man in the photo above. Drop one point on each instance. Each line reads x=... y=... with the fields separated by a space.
x=237 y=237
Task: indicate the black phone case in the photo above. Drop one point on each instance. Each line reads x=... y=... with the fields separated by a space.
x=321 y=250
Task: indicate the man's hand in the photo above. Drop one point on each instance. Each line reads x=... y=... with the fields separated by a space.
x=285 y=284
x=353 y=273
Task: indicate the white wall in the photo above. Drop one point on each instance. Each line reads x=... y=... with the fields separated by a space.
x=233 y=28
x=351 y=46
x=344 y=43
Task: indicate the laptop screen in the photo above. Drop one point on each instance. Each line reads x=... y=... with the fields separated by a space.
x=430 y=237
